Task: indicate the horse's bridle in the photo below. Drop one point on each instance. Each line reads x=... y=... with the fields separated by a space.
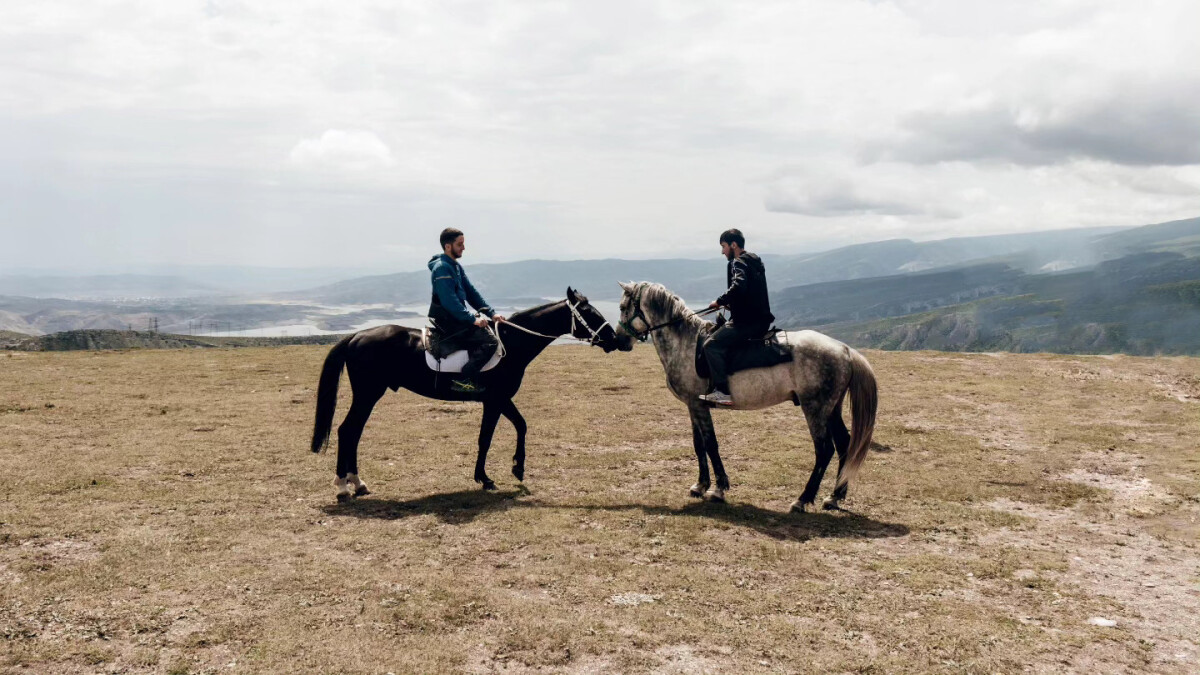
x=642 y=336
x=577 y=315
x=636 y=303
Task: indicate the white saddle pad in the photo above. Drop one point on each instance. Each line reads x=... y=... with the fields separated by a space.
x=455 y=361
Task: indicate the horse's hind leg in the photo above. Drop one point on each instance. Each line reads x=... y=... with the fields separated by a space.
x=823 y=444
x=841 y=440
x=349 y=434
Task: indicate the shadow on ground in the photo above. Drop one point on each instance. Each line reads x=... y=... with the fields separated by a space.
x=776 y=524
x=455 y=508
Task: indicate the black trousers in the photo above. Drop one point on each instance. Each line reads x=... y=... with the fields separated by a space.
x=480 y=344
x=720 y=346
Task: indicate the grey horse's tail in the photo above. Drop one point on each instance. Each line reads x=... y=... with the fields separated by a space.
x=864 y=399
x=327 y=390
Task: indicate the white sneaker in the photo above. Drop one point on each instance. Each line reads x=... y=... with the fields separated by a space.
x=718 y=397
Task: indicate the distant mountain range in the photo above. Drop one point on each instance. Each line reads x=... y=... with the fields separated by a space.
x=1144 y=299
x=705 y=279
x=104 y=286
x=1100 y=289
x=166 y=281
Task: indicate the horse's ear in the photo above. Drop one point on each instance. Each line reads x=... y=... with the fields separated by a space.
x=625 y=286
x=571 y=294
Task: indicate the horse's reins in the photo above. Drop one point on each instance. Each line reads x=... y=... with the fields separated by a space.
x=576 y=315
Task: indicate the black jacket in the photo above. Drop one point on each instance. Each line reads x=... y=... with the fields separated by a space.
x=747 y=295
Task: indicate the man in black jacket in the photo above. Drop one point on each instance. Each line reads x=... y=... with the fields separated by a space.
x=749 y=310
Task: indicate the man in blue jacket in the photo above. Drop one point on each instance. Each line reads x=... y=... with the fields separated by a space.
x=455 y=326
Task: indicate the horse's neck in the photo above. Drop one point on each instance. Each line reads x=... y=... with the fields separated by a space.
x=673 y=343
x=552 y=321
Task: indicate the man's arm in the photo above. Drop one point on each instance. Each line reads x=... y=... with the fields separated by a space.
x=736 y=286
x=443 y=286
x=475 y=298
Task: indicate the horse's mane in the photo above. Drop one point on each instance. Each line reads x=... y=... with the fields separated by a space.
x=533 y=311
x=672 y=306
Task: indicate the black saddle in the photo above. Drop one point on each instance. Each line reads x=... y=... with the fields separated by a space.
x=761 y=353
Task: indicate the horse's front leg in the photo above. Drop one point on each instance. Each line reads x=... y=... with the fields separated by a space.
x=491 y=415
x=360 y=488
x=709 y=435
x=701 y=430
x=510 y=411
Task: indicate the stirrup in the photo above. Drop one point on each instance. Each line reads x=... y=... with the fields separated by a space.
x=466 y=386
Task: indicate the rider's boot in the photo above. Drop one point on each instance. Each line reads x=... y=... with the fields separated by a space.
x=718 y=397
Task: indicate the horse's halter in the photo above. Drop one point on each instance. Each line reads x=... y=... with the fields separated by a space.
x=636 y=304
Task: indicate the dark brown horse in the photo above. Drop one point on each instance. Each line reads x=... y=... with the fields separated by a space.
x=390 y=357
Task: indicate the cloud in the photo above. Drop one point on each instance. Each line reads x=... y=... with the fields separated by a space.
x=1055 y=84
x=596 y=124
x=826 y=192
x=1132 y=125
x=343 y=150
x=831 y=200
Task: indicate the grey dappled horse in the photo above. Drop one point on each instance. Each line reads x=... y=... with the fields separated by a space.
x=817 y=379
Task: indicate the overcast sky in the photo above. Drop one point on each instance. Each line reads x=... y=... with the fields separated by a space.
x=347 y=133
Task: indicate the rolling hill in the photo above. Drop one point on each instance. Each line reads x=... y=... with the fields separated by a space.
x=1147 y=303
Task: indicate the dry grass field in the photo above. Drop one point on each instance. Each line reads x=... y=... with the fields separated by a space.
x=161 y=514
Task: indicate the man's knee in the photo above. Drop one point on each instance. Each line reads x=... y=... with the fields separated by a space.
x=713 y=347
x=721 y=339
x=484 y=347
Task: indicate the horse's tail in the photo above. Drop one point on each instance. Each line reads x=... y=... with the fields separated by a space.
x=327 y=390
x=864 y=399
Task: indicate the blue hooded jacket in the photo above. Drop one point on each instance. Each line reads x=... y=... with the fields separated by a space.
x=452 y=291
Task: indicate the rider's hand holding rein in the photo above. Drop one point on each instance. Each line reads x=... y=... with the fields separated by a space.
x=483 y=321
x=714 y=304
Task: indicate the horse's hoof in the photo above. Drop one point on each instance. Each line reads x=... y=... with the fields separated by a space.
x=800 y=507
x=361 y=491
x=519 y=472
x=697 y=490
x=831 y=504
x=716 y=495
x=344 y=497
x=488 y=485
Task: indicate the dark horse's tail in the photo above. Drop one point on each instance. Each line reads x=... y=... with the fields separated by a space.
x=864 y=399
x=331 y=372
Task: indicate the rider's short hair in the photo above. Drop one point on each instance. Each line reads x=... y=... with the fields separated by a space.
x=449 y=235
x=733 y=236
